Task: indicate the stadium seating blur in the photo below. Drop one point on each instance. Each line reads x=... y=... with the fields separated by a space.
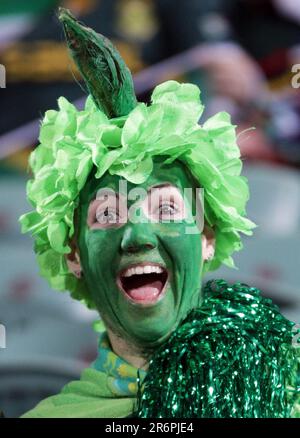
x=270 y=259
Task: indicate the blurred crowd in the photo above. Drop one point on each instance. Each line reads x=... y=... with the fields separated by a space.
x=243 y=54
x=246 y=50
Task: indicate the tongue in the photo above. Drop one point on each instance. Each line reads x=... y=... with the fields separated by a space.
x=147 y=292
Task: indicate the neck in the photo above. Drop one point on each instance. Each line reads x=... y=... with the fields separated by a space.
x=127 y=351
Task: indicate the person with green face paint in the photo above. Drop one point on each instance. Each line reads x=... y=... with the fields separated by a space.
x=134 y=269
x=133 y=205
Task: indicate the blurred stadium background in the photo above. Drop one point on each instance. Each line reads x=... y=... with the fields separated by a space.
x=240 y=53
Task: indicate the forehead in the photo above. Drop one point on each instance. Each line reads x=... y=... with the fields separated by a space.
x=174 y=173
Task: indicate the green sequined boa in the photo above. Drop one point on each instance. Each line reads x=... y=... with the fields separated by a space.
x=232 y=357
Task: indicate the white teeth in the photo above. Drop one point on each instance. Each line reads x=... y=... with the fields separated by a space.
x=128 y=273
x=147 y=269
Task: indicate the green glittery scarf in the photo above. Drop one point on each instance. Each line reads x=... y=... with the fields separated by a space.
x=232 y=357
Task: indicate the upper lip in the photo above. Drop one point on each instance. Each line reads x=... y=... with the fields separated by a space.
x=142 y=264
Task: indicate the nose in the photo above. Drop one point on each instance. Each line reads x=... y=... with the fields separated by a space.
x=138 y=238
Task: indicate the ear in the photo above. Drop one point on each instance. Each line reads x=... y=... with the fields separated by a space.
x=73 y=260
x=208 y=243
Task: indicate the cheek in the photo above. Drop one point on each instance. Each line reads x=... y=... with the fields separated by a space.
x=184 y=249
x=98 y=267
x=179 y=238
x=101 y=254
x=92 y=252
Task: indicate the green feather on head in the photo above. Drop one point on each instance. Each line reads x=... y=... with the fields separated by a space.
x=105 y=73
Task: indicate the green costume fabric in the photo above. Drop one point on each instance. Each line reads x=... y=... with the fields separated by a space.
x=95 y=396
x=235 y=356
x=107 y=389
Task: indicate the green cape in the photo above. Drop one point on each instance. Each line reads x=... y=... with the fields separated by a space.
x=90 y=397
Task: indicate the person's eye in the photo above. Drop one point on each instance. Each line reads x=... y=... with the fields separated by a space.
x=167 y=208
x=107 y=216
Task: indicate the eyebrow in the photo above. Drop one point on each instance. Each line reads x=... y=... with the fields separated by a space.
x=116 y=194
x=162 y=185
x=108 y=193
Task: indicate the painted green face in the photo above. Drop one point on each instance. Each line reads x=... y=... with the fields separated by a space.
x=141 y=264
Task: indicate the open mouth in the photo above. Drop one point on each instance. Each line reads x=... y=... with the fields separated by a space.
x=143 y=283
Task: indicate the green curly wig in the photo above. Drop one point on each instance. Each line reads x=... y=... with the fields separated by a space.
x=124 y=142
